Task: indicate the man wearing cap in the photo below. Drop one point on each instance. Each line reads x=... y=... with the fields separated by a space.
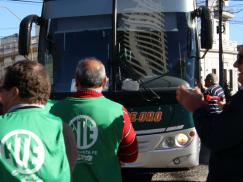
x=222 y=133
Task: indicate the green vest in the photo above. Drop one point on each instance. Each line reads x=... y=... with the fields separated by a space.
x=49 y=104
x=32 y=147
x=97 y=124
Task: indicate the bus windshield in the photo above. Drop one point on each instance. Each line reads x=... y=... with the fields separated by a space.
x=155 y=44
x=149 y=43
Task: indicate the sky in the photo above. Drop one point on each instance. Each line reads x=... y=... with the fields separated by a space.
x=236 y=24
x=11 y=11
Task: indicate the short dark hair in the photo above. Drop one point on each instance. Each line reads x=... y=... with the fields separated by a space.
x=30 y=78
x=88 y=75
x=212 y=77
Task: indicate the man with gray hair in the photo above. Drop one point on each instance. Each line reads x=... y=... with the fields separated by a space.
x=104 y=133
x=91 y=75
x=214 y=94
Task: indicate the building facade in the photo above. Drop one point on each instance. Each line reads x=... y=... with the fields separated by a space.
x=210 y=63
x=9 y=51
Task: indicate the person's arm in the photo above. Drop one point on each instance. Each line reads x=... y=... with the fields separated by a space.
x=221 y=131
x=71 y=149
x=221 y=104
x=217 y=131
x=221 y=94
x=128 y=149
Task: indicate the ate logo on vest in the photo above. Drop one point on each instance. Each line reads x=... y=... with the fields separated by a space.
x=86 y=131
x=23 y=151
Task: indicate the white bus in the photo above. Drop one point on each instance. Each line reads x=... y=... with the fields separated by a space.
x=149 y=48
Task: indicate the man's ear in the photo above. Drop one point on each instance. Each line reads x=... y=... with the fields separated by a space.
x=105 y=83
x=14 y=92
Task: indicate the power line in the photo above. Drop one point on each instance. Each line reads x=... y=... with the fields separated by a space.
x=10 y=11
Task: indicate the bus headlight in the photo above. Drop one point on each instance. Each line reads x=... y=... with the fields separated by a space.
x=176 y=141
x=182 y=139
x=169 y=142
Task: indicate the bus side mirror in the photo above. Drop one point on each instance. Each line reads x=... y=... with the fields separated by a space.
x=206 y=28
x=25 y=33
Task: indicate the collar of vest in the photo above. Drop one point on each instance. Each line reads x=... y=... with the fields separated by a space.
x=24 y=106
x=87 y=94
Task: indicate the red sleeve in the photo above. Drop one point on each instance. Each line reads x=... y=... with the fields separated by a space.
x=128 y=149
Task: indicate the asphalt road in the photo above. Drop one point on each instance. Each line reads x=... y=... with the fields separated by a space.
x=198 y=173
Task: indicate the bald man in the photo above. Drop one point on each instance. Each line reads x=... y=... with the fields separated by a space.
x=104 y=133
x=217 y=101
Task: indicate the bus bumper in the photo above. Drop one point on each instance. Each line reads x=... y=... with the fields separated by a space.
x=184 y=157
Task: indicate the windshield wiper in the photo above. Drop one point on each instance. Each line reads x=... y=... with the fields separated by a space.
x=135 y=77
x=156 y=78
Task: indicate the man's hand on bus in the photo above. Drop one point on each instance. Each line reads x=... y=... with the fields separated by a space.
x=191 y=99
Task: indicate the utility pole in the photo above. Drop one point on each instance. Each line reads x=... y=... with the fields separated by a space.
x=221 y=64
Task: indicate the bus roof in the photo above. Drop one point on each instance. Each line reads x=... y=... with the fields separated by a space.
x=73 y=8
